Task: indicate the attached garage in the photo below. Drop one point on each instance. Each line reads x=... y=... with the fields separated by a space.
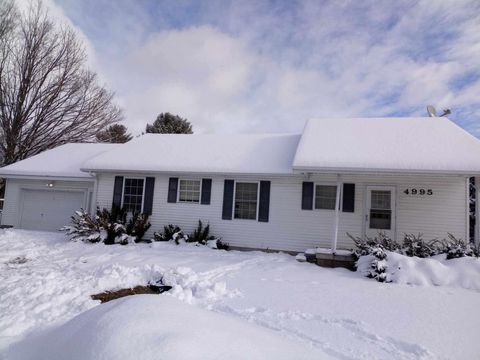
x=44 y=191
x=49 y=209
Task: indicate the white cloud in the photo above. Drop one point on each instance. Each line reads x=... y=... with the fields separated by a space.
x=255 y=68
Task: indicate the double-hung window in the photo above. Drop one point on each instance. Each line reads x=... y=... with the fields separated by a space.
x=246 y=199
x=325 y=197
x=133 y=194
x=189 y=191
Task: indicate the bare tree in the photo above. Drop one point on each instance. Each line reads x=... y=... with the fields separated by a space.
x=8 y=15
x=48 y=97
x=116 y=133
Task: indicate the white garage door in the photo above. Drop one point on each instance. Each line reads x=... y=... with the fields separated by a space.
x=49 y=209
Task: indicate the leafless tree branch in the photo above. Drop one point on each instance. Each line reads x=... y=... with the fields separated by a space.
x=48 y=97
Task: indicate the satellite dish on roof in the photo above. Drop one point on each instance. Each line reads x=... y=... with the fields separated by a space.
x=446 y=112
x=431 y=111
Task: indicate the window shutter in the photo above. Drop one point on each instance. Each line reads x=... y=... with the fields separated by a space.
x=264 y=206
x=117 y=191
x=348 y=202
x=307 y=195
x=172 y=190
x=227 y=200
x=148 y=201
x=206 y=191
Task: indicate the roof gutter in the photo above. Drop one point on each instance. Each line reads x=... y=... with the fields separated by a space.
x=370 y=171
x=219 y=173
x=48 y=177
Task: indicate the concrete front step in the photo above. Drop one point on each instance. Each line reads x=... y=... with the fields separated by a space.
x=325 y=258
x=335 y=260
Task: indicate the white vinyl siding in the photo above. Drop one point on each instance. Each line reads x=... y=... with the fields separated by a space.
x=292 y=229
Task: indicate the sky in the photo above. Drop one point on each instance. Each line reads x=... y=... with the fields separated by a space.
x=267 y=66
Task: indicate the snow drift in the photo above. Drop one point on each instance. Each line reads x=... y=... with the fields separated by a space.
x=158 y=327
x=462 y=272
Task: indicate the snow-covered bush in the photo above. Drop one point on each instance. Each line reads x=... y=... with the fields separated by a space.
x=371 y=256
x=372 y=253
x=364 y=245
x=388 y=244
x=200 y=236
x=367 y=245
x=137 y=226
x=221 y=245
x=378 y=264
x=171 y=233
x=416 y=246
x=457 y=248
x=106 y=226
x=85 y=228
x=113 y=222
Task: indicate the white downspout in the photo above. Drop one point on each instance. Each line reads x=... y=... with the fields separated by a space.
x=337 y=214
x=93 y=205
x=476 y=234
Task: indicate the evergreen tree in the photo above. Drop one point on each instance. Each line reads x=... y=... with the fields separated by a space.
x=167 y=123
x=115 y=133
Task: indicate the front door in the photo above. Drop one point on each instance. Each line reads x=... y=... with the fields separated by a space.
x=380 y=211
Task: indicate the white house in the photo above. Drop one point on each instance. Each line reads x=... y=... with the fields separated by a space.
x=280 y=192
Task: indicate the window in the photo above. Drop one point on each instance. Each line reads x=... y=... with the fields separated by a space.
x=133 y=195
x=189 y=191
x=246 y=197
x=380 y=210
x=325 y=197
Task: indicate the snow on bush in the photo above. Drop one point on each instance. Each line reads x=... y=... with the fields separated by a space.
x=416 y=246
x=137 y=226
x=85 y=228
x=159 y=327
x=374 y=265
x=373 y=254
x=171 y=233
x=462 y=272
x=200 y=236
x=109 y=227
x=456 y=248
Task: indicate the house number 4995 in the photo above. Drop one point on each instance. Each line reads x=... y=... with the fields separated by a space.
x=415 y=191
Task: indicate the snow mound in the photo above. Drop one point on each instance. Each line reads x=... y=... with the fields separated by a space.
x=158 y=327
x=462 y=272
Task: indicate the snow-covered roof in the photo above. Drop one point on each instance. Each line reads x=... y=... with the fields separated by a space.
x=409 y=145
x=423 y=145
x=62 y=161
x=249 y=154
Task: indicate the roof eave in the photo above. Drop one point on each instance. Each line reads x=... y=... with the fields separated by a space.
x=150 y=171
x=372 y=171
x=61 y=177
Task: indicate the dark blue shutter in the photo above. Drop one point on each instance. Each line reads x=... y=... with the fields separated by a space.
x=348 y=202
x=227 y=200
x=172 y=190
x=264 y=206
x=206 y=191
x=148 y=201
x=307 y=195
x=117 y=191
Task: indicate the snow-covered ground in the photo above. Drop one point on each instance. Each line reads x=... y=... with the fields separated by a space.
x=45 y=281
